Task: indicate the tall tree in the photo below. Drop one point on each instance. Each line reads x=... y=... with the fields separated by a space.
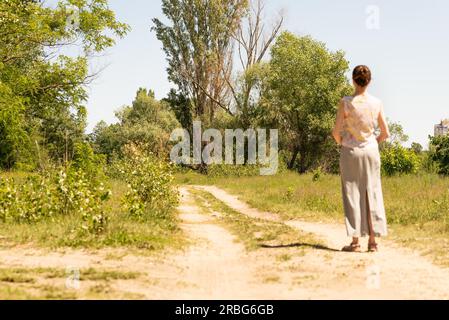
x=198 y=43
x=304 y=85
x=253 y=40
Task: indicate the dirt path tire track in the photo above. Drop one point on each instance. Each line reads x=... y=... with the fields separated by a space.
x=216 y=266
x=213 y=266
x=392 y=273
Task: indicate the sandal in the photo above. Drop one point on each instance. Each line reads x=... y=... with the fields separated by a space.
x=372 y=247
x=353 y=247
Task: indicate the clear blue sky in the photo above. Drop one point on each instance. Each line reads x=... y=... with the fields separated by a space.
x=408 y=54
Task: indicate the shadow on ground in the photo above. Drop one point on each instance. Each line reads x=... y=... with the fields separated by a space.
x=298 y=245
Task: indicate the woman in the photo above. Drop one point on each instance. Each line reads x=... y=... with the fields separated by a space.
x=355 y=130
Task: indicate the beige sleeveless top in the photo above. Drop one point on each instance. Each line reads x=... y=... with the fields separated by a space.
x=360 y=123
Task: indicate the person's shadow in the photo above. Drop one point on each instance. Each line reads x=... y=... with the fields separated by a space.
x=299 y=245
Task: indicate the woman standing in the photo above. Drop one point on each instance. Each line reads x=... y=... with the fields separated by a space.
x=357 y=119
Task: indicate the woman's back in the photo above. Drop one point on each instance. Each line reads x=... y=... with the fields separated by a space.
x=355 y=129
x=360 y=120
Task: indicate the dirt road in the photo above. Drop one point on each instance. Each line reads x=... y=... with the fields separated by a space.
x=216 y=266
x=392 y=273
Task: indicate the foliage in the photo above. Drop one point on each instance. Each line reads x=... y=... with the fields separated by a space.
x=42 y=90
x=399 y=160
x=417 y=147
x=304 y=85
x=53 y=193
x=440 y=153
x=148 y=121
x=85 y=160
x=12 y=133
x=151 y=191
x=317 y=174
x=428 y=165
x=198 y=43
x=397 y=135
x=182 y=107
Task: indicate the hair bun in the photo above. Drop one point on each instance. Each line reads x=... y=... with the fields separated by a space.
x=361 y=75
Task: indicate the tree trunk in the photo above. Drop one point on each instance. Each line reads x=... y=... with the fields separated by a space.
x=302 y=162
x=293 y=160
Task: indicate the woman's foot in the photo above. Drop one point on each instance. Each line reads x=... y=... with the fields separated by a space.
x=372 y=247
x=353 y=247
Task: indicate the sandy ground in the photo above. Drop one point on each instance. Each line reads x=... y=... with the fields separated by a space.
x=392 y=273
x=216 y=266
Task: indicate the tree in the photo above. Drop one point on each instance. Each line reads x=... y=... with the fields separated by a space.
x=439 y=153
x=399 y=160
x=304 y=85
x=397 y=134
x=147 y=122
x=253 y=44
x=12 y=133
x=182 y=107
x=417 y=148
x=198 y=43
x=48 y=88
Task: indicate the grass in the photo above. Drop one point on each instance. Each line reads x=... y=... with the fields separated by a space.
x=413 y=199
x=106 y=275
x=50 y=283
x=253 y=233
x=27 y=275
x=417 y=205
x=122 y=231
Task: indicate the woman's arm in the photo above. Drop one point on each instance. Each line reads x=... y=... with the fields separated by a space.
x=383 y=125
x=336 y=133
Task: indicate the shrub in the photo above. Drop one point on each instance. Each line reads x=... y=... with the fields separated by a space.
x=150 y=181
x=86 y=160
x=428 y=165
x=317 y=174
x=440 y=153
x=52 y=193
x=399 y=160
x=81 y=195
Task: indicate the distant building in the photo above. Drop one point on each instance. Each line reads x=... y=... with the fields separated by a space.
x=442 y=129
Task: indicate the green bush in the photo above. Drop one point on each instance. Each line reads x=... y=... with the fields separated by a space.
x=52 y=193
x=428 y=165
x=86 y=160
x=440 y=153
x=317 y=174
x=151 y=185
x=399 y=160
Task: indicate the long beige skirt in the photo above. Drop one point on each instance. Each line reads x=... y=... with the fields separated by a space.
x=362 y=191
